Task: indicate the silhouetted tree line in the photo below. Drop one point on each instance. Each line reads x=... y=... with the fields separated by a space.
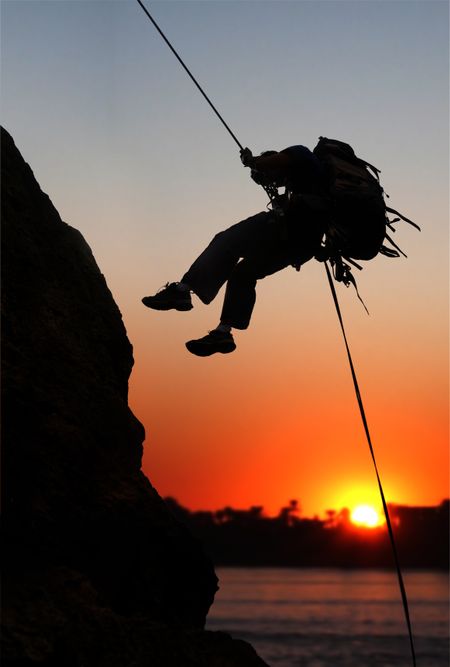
x=249 y=538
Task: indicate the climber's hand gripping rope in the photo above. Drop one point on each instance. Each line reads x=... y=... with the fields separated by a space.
x=277 y=202
x=247 y=158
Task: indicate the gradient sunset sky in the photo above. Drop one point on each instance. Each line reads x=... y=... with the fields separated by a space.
x=133 y=157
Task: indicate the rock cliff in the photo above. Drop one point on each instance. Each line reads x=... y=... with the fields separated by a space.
x=97 y=570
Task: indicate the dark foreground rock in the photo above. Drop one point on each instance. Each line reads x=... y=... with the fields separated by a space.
x=97 y=571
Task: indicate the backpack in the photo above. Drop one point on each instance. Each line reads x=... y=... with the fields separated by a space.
x=358 y=212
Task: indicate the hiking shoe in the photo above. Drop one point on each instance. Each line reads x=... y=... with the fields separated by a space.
x=169 y=297
x=214 y=341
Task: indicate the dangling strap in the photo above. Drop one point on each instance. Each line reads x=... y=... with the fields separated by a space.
x=388 y=252
x=410 y=222
x=352 y=261
x=376 y=171
x=395 y=246
x=343 y=274
x=390 y=224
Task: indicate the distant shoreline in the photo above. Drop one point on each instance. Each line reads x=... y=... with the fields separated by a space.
x=247 y=538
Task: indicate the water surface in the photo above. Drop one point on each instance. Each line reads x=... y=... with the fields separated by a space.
x=334 y=618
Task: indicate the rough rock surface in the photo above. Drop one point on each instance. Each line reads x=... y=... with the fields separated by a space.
x=97 y=571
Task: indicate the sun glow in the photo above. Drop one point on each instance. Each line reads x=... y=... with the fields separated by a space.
x=366 y=516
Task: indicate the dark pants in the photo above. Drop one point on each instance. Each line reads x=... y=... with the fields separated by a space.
x=246 y=252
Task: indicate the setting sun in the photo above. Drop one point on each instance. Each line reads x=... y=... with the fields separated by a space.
x=365 y=515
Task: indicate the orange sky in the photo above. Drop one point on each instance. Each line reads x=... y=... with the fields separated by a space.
x=279 y=419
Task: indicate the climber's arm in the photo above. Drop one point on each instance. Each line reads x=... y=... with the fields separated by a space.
x=275 y=164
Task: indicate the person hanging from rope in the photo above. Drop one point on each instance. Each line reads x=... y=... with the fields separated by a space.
x=288 y=235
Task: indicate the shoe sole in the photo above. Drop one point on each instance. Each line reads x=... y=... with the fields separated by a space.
x=208 y=351
x=168 y=306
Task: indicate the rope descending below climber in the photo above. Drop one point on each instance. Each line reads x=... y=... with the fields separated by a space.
x=332 y=208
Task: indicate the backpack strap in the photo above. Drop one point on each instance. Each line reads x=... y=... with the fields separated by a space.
x=388 y=252
x=376 y=171
x=396 y=247
x=410 y=222
x=390 y=224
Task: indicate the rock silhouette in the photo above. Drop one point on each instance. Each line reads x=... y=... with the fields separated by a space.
x=97 y=570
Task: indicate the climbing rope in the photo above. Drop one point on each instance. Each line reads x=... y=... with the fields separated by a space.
x=380 y=487
x=268 y=189
x=189 y=73
x=338 y=310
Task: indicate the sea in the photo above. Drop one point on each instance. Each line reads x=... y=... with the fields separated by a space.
x=334 y=618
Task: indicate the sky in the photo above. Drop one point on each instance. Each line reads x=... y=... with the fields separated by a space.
x=133 y=157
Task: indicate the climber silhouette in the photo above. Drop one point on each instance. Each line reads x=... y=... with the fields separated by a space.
x=289 y=234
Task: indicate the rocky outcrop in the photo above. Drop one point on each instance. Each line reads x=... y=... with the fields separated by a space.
x=97 y=570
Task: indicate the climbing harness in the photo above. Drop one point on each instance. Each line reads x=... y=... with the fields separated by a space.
x=341 y=272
